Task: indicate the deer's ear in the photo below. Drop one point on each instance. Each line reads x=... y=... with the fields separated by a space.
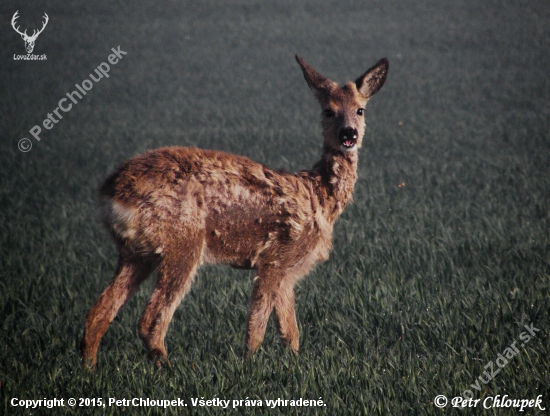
x=371 y=81
x=317 y=82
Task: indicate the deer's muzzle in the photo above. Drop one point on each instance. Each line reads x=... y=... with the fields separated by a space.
x=348 y=137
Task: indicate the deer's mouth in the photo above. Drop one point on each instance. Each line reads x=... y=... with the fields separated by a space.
x=348 y=143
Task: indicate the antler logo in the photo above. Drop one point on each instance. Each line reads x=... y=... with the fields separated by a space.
x=29 y=40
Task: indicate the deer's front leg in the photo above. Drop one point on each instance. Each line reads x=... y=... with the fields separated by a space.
x=261 y=305
x=286 y=316
x=272 y=290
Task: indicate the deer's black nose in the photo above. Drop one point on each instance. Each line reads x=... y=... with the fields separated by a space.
x=348 y=133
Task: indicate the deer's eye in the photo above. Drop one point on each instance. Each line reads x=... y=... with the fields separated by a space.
x=329 y=113
x=360 y=111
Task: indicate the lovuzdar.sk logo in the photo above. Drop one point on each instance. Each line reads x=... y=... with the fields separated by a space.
x=29 y=40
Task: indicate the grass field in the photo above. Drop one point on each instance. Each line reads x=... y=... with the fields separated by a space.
x=437 y=266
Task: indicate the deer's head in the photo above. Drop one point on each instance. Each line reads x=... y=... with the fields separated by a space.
x=29 y=40
x=343 y=107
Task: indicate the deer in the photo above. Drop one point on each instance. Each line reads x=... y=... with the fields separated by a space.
x=29 y=40
x=173 y=209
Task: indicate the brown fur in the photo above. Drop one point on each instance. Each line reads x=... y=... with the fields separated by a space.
x=173 y=209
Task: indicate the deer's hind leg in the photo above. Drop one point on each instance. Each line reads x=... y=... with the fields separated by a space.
x=176 y=273
x=130 y=273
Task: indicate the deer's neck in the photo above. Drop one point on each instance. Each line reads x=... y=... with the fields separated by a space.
x=335 y=174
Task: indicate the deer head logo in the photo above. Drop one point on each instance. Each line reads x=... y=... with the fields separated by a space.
x=29 y=40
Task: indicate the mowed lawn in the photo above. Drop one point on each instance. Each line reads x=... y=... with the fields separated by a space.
x=439 y=280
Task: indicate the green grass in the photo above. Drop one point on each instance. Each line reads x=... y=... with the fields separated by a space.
x=437 y=266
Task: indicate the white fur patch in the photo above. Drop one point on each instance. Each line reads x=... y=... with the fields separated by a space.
x=123 y=220
x=348 y=149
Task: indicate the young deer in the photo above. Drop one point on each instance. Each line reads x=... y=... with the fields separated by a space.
x=173 y=209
